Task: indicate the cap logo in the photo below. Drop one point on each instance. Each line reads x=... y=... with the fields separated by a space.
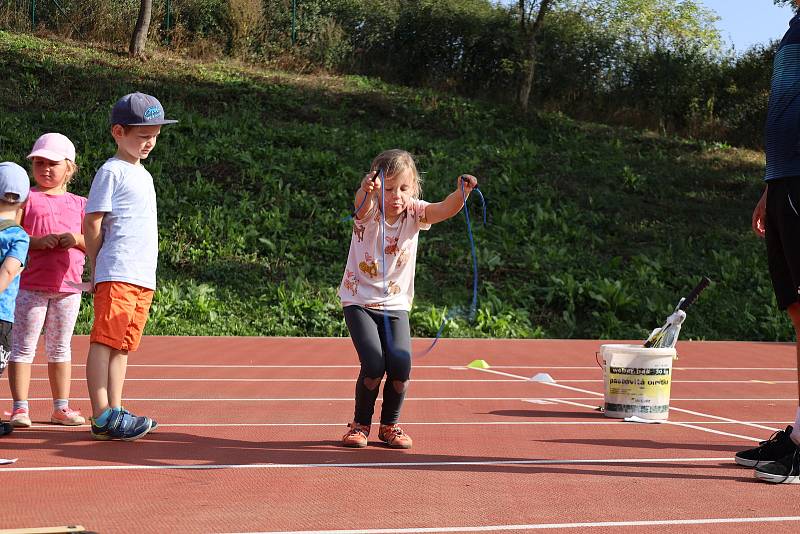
x=153 y=112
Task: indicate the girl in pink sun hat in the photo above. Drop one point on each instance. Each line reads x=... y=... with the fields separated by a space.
x=48 y=297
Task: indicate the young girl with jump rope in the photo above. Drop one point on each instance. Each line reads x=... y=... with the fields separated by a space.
x=52 y=217
x=377 y=288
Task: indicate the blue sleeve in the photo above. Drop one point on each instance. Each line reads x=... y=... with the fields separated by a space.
x=19 y=245
x=102 y=190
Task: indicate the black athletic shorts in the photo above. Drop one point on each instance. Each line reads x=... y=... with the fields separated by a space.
x=783 y=238
x=5 y=344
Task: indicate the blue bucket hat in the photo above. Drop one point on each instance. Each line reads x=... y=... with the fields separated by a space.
x=139 y=109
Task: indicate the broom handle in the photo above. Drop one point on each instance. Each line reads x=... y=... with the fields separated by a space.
x=692 y=297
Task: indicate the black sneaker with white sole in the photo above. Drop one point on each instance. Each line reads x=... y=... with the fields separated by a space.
x=784 y=471
x=772 y=450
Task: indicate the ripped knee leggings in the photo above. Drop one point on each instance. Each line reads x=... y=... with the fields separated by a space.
x=380 y=355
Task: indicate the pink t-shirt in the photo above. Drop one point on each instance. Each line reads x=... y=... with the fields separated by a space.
x=363 y=282
x=51 y=269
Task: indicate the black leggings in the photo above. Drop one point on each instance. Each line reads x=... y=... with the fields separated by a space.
x=367 y=330
x=5 y=348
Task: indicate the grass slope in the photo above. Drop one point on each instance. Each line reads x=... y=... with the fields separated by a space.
x=594 y=231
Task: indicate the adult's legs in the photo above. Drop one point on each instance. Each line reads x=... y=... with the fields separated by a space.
x=782 y=236
x=794 y=314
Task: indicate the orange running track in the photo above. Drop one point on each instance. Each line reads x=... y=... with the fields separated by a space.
x=249 y=430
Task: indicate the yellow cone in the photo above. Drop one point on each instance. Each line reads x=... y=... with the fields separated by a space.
x=478 y=364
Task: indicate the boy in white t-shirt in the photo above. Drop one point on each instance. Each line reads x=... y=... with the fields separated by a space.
x=121 y=233
x=377 y=288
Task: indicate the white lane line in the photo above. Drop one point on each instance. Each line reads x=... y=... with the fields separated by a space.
x=547 y=526
x=579 y=404
x=683 y=423
x=712 y=431
x=527 y=379
x=699 y=414
x=407 y=399
x=452 y=367
x=284 y=399
x=349 y=380
x=82 y=428
x=599 y=461
x=734 y=399
x=719 y=418
x=678 y=368
x=749 y=382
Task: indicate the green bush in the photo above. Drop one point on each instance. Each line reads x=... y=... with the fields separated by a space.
x=655 y=65
x=593 y=231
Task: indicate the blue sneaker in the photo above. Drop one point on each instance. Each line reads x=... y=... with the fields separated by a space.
x=153 y=422
x=128 y=427
x=100 y=433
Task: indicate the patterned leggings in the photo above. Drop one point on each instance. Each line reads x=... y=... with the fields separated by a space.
x=56 y=312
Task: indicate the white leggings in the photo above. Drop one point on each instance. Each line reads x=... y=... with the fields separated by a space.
x=57 y=312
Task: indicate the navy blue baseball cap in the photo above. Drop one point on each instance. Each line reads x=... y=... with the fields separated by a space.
x=139 y=109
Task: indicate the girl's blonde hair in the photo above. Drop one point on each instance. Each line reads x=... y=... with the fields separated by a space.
x=395 y=161
x=72 y=170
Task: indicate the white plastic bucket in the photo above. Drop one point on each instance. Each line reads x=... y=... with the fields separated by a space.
x=637 y=381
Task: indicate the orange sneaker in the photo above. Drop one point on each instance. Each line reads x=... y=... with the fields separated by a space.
x=357 y=436
x=394 y=437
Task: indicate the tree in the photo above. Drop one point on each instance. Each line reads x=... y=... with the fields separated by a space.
x=529 y=28
x=658 y=25
x=139 y=37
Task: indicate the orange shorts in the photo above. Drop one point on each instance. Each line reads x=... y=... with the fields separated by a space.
x=120 y=313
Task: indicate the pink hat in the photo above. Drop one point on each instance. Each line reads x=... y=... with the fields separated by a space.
x=53 y=146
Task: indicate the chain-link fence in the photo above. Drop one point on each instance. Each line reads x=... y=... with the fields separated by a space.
x=260 y=27
x=93 y=20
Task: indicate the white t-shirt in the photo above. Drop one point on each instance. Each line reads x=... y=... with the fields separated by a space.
x=129 y=253
x=365 y=283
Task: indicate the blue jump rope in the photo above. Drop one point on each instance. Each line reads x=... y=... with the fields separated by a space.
x=474 y=305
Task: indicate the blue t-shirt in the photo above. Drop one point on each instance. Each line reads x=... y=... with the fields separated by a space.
x=782 y=132
x=13 y=243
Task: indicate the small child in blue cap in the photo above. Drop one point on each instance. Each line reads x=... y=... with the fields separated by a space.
x=14 y=242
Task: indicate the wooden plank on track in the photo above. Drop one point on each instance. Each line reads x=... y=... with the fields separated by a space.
x=45 y=530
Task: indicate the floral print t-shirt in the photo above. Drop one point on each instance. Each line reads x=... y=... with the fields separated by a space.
x=365 y=281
